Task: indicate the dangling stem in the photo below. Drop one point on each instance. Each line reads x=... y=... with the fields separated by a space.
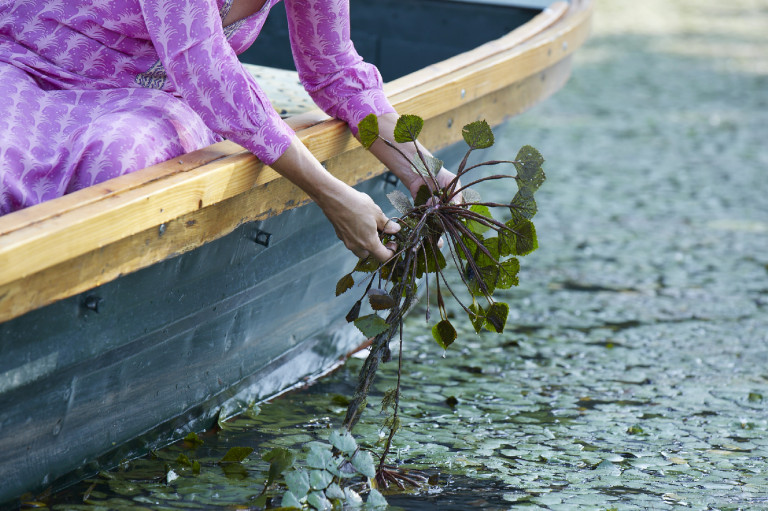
x=395 y=416
x=380 y=347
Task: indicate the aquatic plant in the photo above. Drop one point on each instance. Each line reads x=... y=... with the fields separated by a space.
x=324 y=482
x=484 y=252
x=482 y=249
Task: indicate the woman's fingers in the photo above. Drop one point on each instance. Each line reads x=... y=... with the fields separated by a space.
x=387 y=225
x=355 y=217
x=358 y=220
x=374 y=245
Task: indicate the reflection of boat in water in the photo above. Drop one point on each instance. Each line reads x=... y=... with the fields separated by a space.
x=133 y=310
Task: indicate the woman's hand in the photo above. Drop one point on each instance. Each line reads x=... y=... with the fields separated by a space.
x=355 y=217
x=400 y=166
x=358 y=220
x=443 y=178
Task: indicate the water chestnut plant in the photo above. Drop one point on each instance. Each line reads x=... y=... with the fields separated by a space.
x=483 y=250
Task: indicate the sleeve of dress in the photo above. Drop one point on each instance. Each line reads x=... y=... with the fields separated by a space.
x=205 y=71
x=329 y=67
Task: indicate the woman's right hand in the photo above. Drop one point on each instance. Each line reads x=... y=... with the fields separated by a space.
x=355 y=217
x=358 y=221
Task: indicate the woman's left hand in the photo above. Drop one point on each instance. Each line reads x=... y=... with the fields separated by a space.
x=443 y=178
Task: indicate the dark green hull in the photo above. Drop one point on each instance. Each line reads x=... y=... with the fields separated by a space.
x=168 y=345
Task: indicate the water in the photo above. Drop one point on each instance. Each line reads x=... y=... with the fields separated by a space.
x=633 y=374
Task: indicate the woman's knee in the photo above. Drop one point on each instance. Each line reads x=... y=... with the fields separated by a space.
x=122 y=142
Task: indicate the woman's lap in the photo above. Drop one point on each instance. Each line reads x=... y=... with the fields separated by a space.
x=54 y=142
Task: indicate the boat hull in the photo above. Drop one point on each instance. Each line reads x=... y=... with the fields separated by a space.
x=245 y=316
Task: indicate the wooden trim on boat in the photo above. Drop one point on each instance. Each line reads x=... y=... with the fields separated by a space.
x=71 y=244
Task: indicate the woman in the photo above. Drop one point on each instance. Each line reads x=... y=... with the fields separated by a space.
x=96 y=89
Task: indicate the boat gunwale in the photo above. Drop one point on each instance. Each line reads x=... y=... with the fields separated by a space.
x=47 y=235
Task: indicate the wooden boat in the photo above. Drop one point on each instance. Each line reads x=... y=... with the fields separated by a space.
x=133 y=311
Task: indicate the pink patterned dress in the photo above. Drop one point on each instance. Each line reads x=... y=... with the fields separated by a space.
x=93 y=89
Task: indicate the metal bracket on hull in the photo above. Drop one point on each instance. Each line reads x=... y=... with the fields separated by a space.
x=262 y=238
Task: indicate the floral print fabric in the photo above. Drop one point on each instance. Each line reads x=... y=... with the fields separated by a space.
x=96 y=89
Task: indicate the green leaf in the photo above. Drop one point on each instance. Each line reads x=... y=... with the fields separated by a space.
x=371 y=325
x=236 y=454
x=290 y=501
x=529 y=172
x=473 y=281
x=344 y=468
x=298 y=482
x=363 y=463
x=334 y=492
x=478 y=135
x=508 y=274
x=375 y=500
x=496 y=317
x=368 y=130
x=423 y=195
x=477 y=317
x=340 y=400
x=523 y=205
x=388 y=401
x=343 y=441
x=407 y=128
x=507 y=241
x=193 y=439
x=490 y=276
x=429 y=259
x=317 y=500
x=195 y=467
x=492 y=247
x=234 y=471
x=431 y=169
x=352 y=498
x=400 y=201
x=470 y=244
x=319 y=458
x=344 y=283
x=367 y=265
x=183 y=460
x=444 y=333
x=380 y=300
x=279 y=460
x=477 y=227
x=524 y=236
x=333 y=468
x=319 y=479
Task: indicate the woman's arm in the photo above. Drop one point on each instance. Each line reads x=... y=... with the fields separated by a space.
x=342 y=84
x=399 y=165
x=354 y=215
x=332 y=72
x=190 y=41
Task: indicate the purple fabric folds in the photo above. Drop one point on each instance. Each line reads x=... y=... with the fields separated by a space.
x=94 y=89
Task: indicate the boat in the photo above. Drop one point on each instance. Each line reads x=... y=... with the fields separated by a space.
x=145 y=307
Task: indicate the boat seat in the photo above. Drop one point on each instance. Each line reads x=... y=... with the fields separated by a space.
x=283 y=89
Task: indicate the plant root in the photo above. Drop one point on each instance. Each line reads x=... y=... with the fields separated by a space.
x=388 y=474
